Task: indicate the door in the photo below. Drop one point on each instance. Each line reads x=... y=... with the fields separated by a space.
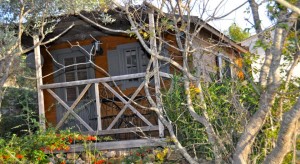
x=74 y=66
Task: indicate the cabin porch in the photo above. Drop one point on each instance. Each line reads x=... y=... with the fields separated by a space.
x=110 y=112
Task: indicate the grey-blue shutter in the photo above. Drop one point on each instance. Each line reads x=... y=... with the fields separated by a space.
x=113 y=63
x=164 y=66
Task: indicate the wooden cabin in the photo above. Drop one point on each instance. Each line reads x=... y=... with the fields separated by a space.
x=84 y=71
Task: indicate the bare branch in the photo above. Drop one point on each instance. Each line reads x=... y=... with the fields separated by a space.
x=100 y=26
x=289 y=5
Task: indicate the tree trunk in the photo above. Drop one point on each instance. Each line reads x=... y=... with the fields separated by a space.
x=256 y=122
x=5 y=68
x=284 y=141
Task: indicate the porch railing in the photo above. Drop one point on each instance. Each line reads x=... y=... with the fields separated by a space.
x=104 y=81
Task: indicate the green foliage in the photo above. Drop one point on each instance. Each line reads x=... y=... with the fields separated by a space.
x=140 y=155
x=274 y=8
x=237 y=34
x=39 y=146
x=260 y=43
x=7 y=39
x=267 y=137
x=188 y=131
x=227 y=106
x=19 y=112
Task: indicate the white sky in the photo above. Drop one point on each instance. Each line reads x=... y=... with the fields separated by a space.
x=239 y=16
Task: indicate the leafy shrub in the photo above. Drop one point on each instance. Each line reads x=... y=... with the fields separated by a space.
x=228 y=105
x=39 y=146
x=18 y=112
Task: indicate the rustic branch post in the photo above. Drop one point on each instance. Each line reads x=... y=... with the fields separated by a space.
x=38 y=69
x=98 y=107
x=153 y=48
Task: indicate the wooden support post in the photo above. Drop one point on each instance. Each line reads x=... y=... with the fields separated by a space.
x=38 y=68
x=156 y=69
x=98 y=107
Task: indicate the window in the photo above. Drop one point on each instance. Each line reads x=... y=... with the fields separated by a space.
x=76 y=72
x=224 y=67
x=129 y=59
x=76 y=67
x=72 y=65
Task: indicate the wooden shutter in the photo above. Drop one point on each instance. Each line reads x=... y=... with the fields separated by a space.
x=164 y=66
x=113 y=63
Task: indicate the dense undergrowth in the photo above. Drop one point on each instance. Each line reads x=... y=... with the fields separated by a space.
x=229 y=105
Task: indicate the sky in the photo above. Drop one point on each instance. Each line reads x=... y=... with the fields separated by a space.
x=241 y=17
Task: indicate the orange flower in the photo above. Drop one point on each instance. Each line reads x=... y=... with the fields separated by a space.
x=101 y=161
x=91 y=138
x=66 y=148
x=70 y=140
x=19 y=156
x=79 y=138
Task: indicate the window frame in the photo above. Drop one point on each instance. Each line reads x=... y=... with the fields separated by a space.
x=60 y=76
x=117 y=56
x=219 y=62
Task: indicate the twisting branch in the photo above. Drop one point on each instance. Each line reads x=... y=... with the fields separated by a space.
x=289 y=5
x=100 y=26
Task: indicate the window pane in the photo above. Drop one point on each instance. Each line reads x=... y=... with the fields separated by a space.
x=226 y=69
x=82 y=75
x=70 y=76
x=71 y=93
x=134 y=60
x=81 y=59
x=67 y=62
x=128 y=61
x=131 y=61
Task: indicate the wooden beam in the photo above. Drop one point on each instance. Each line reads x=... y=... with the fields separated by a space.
x=123 y=130
x=126 y=105
x=97 y=80
x=125 y=102
x=153 y=47
x=166 y=75
x=98 y=107
x=38 y=71
x=68 y=109
x=115 y=145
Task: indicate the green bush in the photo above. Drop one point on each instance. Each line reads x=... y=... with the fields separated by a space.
x=18 y=111
x=225 y=116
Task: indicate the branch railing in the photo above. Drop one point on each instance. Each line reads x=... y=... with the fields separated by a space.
x=104 y=81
